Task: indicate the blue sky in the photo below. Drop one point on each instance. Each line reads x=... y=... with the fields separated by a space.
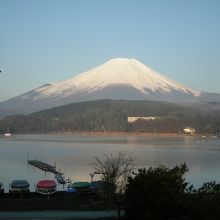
x=45 y=41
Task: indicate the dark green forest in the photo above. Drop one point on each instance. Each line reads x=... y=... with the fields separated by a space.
x=162 y=193
x=111 y=115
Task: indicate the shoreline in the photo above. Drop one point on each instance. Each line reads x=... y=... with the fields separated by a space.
x=124 y=134
x=117 y=134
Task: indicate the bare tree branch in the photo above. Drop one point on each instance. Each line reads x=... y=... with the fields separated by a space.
x=114 y=168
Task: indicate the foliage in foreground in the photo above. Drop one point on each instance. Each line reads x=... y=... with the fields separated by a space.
x=162 y=193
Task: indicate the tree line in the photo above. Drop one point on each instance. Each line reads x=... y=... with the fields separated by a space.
x=111 y=115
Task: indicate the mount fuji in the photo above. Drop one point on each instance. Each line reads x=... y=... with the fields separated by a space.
x=119 y=79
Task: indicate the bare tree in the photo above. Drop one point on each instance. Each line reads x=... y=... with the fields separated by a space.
x=114 y=169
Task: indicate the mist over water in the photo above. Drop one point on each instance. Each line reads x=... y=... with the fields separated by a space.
x=73 y=155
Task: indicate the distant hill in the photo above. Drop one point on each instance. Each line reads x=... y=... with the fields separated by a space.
x=111 y=115
x=117 y=79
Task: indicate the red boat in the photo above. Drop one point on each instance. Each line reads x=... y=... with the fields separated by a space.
x=46 y=187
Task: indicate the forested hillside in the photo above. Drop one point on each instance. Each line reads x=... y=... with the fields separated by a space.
x=109 y=115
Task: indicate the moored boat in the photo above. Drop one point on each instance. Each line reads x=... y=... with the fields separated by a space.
x=46 y=187
x=7 y=134
x=19 y=186
x=80 y=188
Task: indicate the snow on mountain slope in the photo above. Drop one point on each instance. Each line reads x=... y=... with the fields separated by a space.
x=118 y=78
x=119 y=71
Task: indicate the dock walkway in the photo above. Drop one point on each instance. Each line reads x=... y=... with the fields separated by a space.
x=48 y=168
x=43 y=166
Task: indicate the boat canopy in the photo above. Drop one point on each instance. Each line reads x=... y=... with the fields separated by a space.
x=46 y=184
x=20 y=184
x=80 y=185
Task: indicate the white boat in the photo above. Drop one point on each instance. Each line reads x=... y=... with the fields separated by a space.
x=7 y=134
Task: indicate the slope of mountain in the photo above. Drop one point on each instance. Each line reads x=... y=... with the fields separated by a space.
x=118 y=78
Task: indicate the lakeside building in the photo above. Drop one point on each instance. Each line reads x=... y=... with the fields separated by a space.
x=134 y=119
x=189 y=130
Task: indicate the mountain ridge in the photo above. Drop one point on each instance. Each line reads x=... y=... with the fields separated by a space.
x=118 y=78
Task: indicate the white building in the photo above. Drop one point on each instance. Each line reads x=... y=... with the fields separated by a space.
x=189 y=130
x=133 y=119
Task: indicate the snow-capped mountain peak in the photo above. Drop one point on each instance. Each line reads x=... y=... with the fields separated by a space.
x=118 y=78
x=116 y=72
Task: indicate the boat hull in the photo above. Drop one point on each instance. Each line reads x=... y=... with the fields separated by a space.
x=44 y=191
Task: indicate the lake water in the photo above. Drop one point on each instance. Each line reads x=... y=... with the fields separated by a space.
x=73 y=155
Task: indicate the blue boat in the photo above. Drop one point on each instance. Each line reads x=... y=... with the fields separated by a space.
x=80 y=188
x=19 y=186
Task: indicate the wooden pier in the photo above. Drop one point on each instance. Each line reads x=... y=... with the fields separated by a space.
x=48 y=168
x=43 y=166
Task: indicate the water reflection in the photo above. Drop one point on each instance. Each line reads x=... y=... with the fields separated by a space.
x=73 y=155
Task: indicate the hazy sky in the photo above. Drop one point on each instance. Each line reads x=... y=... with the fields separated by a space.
x=45 y=41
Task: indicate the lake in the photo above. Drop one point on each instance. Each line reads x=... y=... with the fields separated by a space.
x=73 y=155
